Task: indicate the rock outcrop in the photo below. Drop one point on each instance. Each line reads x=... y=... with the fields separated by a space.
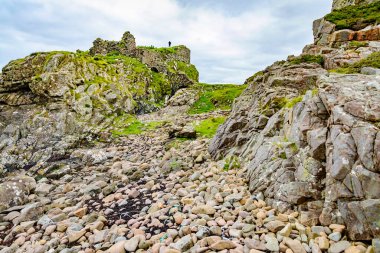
x=126 y=46
x=51 y=101
x=309 y=138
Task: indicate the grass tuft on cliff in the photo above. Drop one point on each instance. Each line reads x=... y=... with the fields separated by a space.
x=215 y=96
x=355 y=17
x=208 y=127
x=373 y=60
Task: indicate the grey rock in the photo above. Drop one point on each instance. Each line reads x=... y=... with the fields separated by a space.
x=183 y=244
x=339 y=247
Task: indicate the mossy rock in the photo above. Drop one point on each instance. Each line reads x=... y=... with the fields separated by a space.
x=373 y=61
x=355 y=17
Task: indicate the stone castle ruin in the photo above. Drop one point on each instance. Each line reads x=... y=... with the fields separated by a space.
x=155 y=59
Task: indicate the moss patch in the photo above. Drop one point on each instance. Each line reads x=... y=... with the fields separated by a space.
x=208 y=127
x=215 y=96
x=292 y=102
x=372 y=60
x=129 y=125
x=355 y=17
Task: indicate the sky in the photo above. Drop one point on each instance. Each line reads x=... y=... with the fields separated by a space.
x=230 y=40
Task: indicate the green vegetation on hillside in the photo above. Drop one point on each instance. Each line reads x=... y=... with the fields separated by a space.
x=189 y=69
x=372 y=60
x=355 y=17
x=356 y=44
x=164 y=50
x=207 y=128
x=307 y=58
x=215 y=96
x=128 y=124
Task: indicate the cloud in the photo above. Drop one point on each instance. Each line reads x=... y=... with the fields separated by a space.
x=229 y=39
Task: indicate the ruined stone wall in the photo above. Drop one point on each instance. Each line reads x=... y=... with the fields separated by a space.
x=154 y=58
x=126 y=46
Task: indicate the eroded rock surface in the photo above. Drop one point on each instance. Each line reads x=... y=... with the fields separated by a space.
x=310 y=147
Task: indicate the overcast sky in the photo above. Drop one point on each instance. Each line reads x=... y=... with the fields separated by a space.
x=229 y=39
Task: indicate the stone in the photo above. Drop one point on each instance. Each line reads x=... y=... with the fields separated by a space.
x=275 y=226
x=316 y=139
x=235 y=233
x=294 y=245
x=80 y=212
x=323 y=243
x=362 y=218
x=370 y=71
x=286 y=230
x=132 y=244
x=178 y=218
x=355 y=249
x=75 y=235
x=117 y=248
x=335 y=236
x=256 y=251
x=45 y=221
x=271 y=243
x=44 y=189
x=364 y=137
x=203 y=209
x=15 y=191
x=337 y=227
x=183 y=244
x=339 y=247
x=223 y=245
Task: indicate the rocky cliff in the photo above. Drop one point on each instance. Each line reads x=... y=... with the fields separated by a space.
x=52 y=101
x=307 y=129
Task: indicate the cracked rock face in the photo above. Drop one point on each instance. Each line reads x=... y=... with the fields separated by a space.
x=321 y=155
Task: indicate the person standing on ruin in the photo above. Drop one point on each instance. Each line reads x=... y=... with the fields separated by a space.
x=170 y=43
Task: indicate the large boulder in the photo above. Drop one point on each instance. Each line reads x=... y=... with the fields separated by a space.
x=15 y=191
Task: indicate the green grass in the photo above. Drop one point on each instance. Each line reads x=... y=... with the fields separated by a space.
x=372 y=60
x=355 y=17
x=292 y=102
x=356 y=44
x=129 y=125
x=208 y=127
x=215 y=96
x=307 y=59
x=163 y=50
